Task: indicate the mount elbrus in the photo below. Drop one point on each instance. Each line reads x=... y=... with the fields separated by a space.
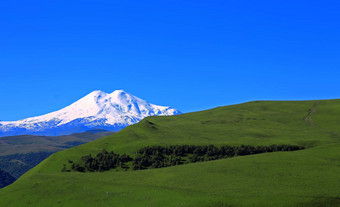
x=96 y=110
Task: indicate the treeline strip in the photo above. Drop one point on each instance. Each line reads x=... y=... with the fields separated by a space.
x=103 y=161
x=165 y=156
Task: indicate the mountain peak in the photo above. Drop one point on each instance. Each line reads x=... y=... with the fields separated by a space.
x=118 y=91
x=96 y=93
x=96 y=110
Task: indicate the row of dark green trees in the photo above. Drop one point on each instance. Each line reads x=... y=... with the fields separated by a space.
x=103 y=161
x=164 y=156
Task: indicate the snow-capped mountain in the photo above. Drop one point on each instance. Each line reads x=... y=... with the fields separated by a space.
x=96 y=110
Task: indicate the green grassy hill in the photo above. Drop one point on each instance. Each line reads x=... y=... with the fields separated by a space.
x=24 y=144
x=18 y=154
x=301 y=178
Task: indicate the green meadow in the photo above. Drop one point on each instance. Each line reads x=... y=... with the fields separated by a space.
x=309 y=177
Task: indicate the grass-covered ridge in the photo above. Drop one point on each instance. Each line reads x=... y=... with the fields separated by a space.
x=299 y=178
x=18 y=154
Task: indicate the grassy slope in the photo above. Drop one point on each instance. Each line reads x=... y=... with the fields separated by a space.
x=34 y=143
x=303 y=178
x=18 y=154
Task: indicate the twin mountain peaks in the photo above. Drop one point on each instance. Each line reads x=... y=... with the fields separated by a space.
x=98 y=109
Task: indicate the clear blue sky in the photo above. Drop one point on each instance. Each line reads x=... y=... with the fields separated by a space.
x=191 y=54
